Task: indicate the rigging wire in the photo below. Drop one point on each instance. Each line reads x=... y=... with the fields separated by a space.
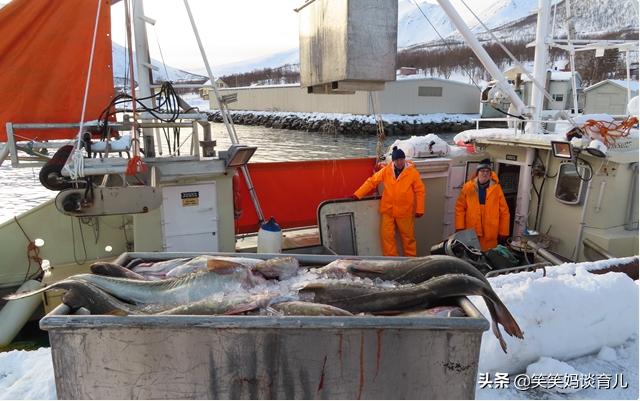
x=445 y=43
x=75 y=163
x=380 y=127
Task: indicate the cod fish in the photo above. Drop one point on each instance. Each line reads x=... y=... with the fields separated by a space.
x=281 y=268
x=232 y=304
x=114 y=270
x=415 y=270
x=358 y=298
x=159 y=268
x=209 y=262
x=174 y=291
x=418 y=270
x=301 y=308
x=80 y=294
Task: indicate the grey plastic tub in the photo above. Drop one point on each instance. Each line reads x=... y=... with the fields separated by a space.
x=258 y=357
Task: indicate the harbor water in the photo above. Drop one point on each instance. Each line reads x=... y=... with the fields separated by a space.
x=20 y=189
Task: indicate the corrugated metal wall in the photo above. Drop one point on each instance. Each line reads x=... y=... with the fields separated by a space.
x=607 y=98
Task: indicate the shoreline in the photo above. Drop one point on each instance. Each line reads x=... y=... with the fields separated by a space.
x=351 y=124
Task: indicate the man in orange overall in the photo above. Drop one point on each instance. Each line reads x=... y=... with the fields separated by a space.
x=402 y=200
x=481 y=206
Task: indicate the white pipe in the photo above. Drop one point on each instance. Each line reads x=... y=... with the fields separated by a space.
x=572 y=54
x=144 y=72
x=583 y=217
x=482 y=55
x=632 y=201
x=626 y=56
x=540 y=64
x=524 y=194
x=603 y=185
x=17 y=312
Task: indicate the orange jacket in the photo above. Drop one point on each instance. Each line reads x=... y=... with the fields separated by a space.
x=402 y=197
x=488 y=221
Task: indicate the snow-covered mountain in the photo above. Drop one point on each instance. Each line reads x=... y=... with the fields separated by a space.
x=290 y=56
x=413 y=26
x=161 y=73
x=509 y=20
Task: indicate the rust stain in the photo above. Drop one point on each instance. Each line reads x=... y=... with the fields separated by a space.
x=378 y=350
x=321 y=384
x=361 y=366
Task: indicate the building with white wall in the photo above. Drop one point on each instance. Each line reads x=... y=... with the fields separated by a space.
x=406 y=96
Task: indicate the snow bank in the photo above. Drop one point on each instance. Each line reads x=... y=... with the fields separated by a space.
x=563 y=315
x=27 y=375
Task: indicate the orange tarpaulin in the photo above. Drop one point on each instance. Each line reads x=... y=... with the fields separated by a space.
x=292 y=191
x=45 y=47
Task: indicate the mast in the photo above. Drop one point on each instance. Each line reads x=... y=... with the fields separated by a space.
x=143 y=60
x=540 y=64
x=482 y=55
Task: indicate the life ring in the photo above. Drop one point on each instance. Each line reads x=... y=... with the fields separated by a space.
x=237 y=198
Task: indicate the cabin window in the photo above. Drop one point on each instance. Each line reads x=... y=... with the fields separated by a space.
x=569 y=186
x=430 y=91
x=558 y=98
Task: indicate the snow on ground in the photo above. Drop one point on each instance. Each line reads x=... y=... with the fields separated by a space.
x=580 y=329
x=27 y=375
x=345 y=118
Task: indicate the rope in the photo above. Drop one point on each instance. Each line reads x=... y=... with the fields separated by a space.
x=33 y=252
x=75 y=164
x=380 y=128
x=610 y=130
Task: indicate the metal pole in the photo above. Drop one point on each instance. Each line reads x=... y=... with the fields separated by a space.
x=11 y=143
x=572 y=54
x=144 y=70
x=540 y=65
x=626 y=55
x=223 y=113
x=583 y=217
x=524 y=194
x=482 y=54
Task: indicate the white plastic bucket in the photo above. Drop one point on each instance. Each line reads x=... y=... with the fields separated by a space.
x=270 y=237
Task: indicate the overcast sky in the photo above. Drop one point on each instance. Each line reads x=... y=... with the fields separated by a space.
x=231 y=31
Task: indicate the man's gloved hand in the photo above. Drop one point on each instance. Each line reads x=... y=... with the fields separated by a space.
x=418 y=215
x=502 y=239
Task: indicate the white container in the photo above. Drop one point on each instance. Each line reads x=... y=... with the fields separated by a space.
x=270 y=237
x=15 y=314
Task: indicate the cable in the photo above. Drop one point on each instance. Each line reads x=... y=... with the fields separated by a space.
x=578 y=169
x=445 y=43
x=73 y=241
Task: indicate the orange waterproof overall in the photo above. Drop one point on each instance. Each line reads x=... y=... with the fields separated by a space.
x=402 y=198
x=488 y=220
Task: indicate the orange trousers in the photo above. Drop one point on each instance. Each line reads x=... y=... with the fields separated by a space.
x=388 y=226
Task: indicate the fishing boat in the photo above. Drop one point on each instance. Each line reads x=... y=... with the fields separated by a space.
x=571 y=185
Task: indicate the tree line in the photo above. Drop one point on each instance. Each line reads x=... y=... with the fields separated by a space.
x=443 y=60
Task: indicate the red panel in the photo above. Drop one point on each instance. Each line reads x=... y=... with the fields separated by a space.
x=292 y=191
x=45 y=47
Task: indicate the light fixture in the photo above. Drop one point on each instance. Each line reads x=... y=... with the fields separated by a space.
x=562 y=150
x=238 y=155
x=597 y=148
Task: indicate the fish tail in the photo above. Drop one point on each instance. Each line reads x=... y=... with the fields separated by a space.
x=25 y=294
x=507 y=320
x=495 y=328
